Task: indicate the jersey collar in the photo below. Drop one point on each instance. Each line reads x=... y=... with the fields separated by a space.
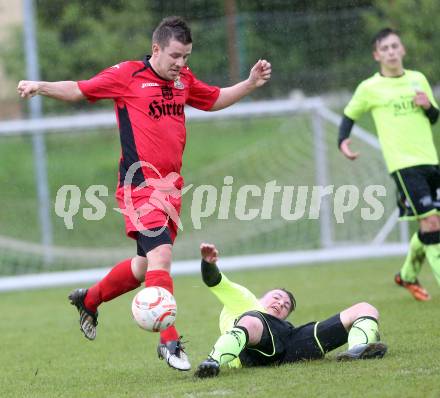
x=392 y=77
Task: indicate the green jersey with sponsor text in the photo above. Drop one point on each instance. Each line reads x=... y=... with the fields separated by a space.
x=403 y=129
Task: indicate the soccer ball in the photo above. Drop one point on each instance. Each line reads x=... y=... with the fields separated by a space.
x=154 y=309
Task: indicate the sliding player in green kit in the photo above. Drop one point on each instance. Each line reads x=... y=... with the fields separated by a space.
x=403 y=108
x=255 y=332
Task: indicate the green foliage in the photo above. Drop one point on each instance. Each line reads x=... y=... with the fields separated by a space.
x=208 y=64
x=89 y=36
x=77 y=39
x=416 y=22
x=314 y=46
x=191 y=10
x=45 y=355
x=300 y=5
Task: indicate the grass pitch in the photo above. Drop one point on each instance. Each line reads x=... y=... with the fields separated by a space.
x=43 y=353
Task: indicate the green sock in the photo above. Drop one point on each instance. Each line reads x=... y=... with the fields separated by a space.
x=414 y=260
x=229 y=345
x=433 y=256
x=364 y=330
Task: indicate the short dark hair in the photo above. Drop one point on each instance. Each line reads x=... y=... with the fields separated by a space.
x=292 y=299
x=172 y=28
x=379 y=36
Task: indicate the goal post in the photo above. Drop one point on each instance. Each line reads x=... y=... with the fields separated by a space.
x=278 y=190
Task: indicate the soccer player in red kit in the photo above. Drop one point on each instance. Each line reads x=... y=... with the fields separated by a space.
x=149 y=98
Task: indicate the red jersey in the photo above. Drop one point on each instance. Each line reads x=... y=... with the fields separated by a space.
x=150 y=114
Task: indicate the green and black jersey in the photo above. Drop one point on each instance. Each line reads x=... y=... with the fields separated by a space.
x=403 y=129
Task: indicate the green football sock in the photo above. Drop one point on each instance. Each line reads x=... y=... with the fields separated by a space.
x=433 y=256
x=414 y=260
x=229 y=345
x=364 y=330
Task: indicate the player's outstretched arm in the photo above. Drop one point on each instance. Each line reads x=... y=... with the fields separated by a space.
x=259 y=75
x=63 y=90
x=210 y=273
x=343 y=140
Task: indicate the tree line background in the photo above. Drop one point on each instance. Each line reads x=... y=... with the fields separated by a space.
x=314 y=45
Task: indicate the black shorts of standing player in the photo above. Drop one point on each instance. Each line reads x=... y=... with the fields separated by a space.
x=417 y=191
x=154 y=238
x=281 y=342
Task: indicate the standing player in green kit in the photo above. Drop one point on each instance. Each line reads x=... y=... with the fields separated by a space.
x=403 y=108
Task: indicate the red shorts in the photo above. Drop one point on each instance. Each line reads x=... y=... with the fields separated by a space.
x=149 y=208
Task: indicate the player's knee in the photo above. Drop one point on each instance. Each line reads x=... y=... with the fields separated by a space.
x=139 y=266
x=254 y=326
x=356 y=311
x=366 y=309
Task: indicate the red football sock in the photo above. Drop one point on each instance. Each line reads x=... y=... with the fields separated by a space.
x=163 y=279
x=118 y=281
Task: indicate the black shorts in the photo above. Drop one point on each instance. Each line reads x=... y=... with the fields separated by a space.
x=146 y=243
x=418 y=191
x=283 y=343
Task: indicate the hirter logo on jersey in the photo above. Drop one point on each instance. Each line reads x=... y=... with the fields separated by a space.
x=159 y=109
x=167 y=92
